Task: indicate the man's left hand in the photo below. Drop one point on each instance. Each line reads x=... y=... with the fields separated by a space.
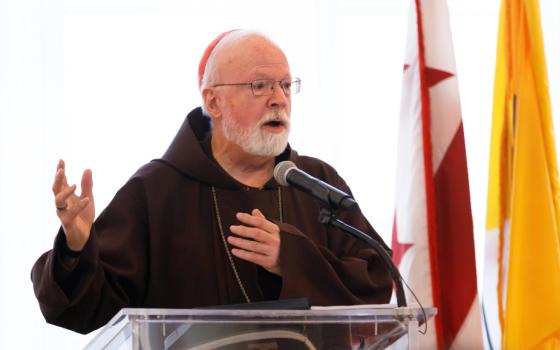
x=259 y=242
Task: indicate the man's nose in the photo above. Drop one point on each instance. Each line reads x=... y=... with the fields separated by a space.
x=279 y=98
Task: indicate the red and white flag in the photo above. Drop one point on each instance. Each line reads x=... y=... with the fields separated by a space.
x=432 y=232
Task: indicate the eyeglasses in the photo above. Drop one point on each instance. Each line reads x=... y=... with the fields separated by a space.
x=265 y=87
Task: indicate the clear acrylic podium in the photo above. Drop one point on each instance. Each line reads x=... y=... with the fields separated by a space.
x=357 y=327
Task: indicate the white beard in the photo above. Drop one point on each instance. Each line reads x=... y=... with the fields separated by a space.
x=257 y=141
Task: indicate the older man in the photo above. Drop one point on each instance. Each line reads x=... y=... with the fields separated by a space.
x=206 y=224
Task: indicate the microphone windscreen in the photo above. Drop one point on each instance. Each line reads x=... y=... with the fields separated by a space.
x=281 y=171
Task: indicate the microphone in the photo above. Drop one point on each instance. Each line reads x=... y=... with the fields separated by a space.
x=286 y=173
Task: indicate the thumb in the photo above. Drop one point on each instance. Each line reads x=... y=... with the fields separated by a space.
x=257 y=212
x=87 y=184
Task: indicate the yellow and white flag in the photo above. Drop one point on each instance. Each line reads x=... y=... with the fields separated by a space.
x=522 y=279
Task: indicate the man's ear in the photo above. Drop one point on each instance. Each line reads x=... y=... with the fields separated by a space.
x=211 y=100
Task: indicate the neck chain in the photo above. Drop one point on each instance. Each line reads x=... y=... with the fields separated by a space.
x=221 y=229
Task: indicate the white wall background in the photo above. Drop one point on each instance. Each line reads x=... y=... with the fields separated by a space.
x=105 y=85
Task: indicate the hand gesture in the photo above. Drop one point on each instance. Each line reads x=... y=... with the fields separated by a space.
x=261 y=242
x=76 y=213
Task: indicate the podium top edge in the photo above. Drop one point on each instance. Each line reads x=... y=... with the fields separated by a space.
x=385 y=310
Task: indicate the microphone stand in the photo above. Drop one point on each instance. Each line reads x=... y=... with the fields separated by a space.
x=326 y=217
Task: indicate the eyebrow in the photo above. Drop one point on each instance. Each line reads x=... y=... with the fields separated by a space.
x=266 y=77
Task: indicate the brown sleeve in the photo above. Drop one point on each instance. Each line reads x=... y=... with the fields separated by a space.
x=328 y=266
x=108 y=275
x=355 y=275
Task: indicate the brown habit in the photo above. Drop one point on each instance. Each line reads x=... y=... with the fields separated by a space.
x=157 y=244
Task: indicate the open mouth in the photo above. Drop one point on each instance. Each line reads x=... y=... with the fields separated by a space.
x=274 y=123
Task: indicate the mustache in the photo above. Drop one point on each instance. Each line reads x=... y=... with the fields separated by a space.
x=276 y=116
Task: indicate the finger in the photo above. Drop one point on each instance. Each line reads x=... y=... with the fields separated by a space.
x=255 y=258
x=87 y=184
x=253 y=233
x=57 y=184
x=59 y=178
x=271 y=227
x=61 y=197
x=249 y=245
x=265 y=261
x=256 y=221
x=62 y=165
x=258 y=213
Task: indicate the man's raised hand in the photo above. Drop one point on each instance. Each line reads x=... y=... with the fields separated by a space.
x=76 y=213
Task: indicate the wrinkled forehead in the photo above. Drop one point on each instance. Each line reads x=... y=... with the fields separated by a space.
x=251 y=56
